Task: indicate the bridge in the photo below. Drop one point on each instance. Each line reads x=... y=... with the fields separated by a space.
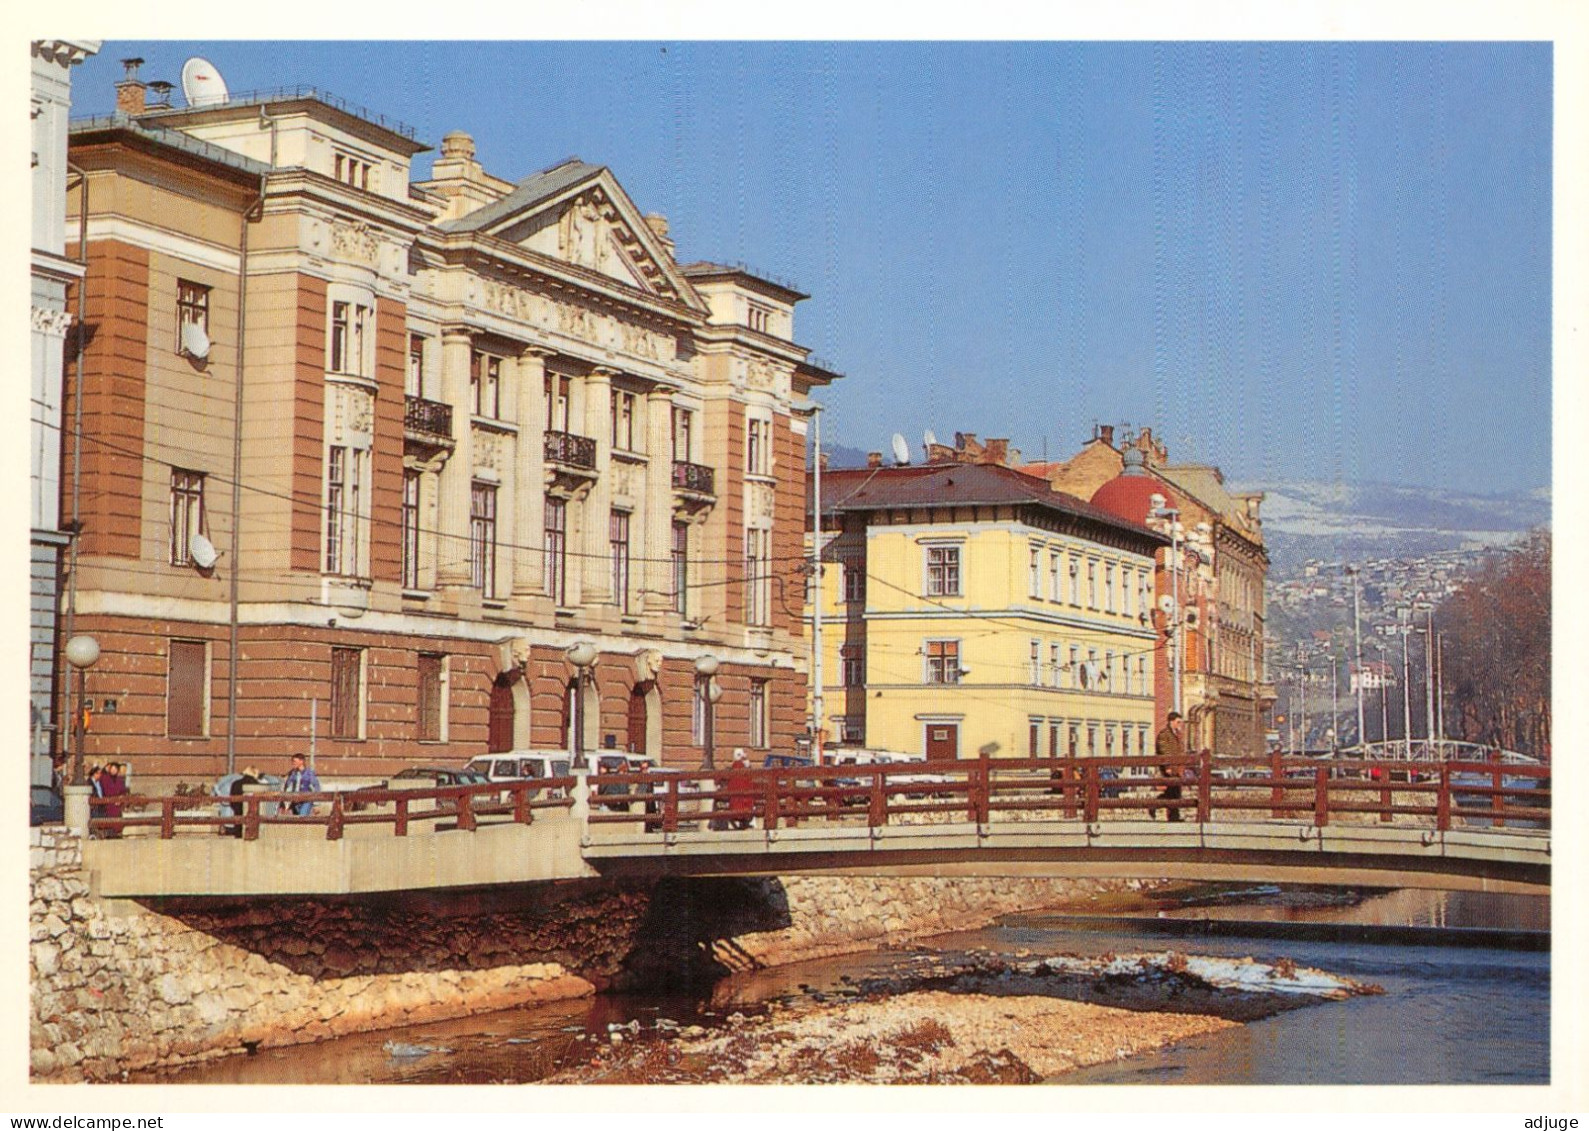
x=1479 y=825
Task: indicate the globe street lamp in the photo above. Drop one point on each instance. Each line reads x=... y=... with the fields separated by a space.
x=583 y=656
x=82 y=652
x=705 y=669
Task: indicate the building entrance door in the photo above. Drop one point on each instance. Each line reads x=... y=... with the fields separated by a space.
x=943 y=741
x=499 y=737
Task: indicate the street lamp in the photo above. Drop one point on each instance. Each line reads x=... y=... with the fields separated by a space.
x=1172 y=516
x=82 y=652
x=582 y=655
x=706 y=668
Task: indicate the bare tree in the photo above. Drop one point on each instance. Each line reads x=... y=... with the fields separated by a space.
x=1497 y=651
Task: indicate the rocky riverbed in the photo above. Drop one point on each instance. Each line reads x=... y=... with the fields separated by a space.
x=965 y=1019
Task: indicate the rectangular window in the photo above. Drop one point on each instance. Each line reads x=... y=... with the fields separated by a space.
x=559 y=393
x=618 y=543
x=1073 y=734
x=483 y=537
x=683 y=435
x=854 y=582
x=193 y=309
x=758 y=317
x=1142 y=742
x=352 y=170
x=623 y=412
x=485 y=385
x=1092 y=584
x=758 y=446
x=411 y=481
x=681 y=567
x=853 y=659
x=943 y=571
x=1109 y=672
x=343 y=503
x=1034 y=737
x=187 y=689
x=1109 y=740
x=347 y=684
x=556 y=547
x=1142 y=676
x=1053 y=739
x=1054 y=665
x=414 y=385
x=349 y=332
x=1092 y=740
x=431 y=706
x=1109 y=587
x=1036 y=676
x=1075 y=667
x=1075 y=581
x=187 y=513
x=1128 y=589
x=943 y=661
x=1056 y=591
x=1034 y=572
x=758 y=713
x=758 y=577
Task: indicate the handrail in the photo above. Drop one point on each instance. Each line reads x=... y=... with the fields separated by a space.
x=976 y=791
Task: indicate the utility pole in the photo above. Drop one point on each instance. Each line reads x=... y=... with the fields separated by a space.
x=1429 y=675
x=1302 y=671
x=817 y=594
x=1440 y=691
x=1405 y=627
x=1357 y=650
x=1335 y=703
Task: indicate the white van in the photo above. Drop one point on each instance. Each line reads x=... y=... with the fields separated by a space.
x=522 y=765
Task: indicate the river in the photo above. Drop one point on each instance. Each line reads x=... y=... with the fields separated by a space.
x=1454 y=1011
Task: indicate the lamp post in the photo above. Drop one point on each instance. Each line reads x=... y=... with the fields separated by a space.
x=1357 y=659
x=582 y=655
x=82 y=652
x=706 y=668
x=1172 y=516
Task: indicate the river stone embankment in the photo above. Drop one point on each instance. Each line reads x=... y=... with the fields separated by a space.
x=118 y=985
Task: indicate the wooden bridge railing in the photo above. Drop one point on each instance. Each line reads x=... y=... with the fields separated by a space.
x=1196 y=788
x=244 y=815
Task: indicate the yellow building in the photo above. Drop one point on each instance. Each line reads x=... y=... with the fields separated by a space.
x=971 y=609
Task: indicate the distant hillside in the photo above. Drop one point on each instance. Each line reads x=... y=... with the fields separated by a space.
x=1358 y=521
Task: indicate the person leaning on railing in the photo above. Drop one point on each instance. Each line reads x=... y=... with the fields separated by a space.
x=301 y=779
x=1170 y=747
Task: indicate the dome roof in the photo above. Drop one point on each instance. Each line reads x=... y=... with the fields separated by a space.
x=1129 y=495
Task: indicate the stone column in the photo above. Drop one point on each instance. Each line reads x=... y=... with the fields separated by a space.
x=452 y=502
x=529 y=474
x=658 y=517
x=596 y=565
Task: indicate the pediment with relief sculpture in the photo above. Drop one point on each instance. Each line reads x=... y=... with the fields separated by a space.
x=579 y=214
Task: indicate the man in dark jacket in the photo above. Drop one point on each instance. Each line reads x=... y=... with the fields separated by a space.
x=1170 y=744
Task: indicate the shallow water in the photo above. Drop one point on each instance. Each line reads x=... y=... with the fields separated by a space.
x=1449 y=1014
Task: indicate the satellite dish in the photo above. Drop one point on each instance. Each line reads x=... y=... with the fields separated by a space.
x=928 y=439
x=901 y=450
x=202 y=551
x=202 y=84
x=195 y=342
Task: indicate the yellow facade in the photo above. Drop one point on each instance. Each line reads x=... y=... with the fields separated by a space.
x=1016 y=628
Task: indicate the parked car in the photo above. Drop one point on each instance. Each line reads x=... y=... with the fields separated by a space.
x=525 y=765
x=440 y=776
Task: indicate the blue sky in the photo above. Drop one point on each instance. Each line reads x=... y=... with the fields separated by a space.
x=1322 y=261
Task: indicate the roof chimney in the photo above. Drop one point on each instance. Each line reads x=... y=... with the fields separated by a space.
x=874 y=459
x=130 y=90
x=1106 y=433
x=996 y=451
x=658 y=224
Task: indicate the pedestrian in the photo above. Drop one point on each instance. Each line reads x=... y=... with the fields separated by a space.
x=1169 y=746
x=741 y=793
x=301 y=779
x=112 y=783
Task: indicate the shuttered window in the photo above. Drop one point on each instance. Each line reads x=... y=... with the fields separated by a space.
x=187 y=685
x=345 y=712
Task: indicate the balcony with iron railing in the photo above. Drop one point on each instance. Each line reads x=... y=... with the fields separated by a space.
x=569 y=450
x=693 y=477
x=427 y=418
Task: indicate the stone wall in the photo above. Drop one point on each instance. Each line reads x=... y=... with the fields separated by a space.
x=119 y=986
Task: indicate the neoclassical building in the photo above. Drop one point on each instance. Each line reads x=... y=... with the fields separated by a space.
x=52 y=271
x=365 y=457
